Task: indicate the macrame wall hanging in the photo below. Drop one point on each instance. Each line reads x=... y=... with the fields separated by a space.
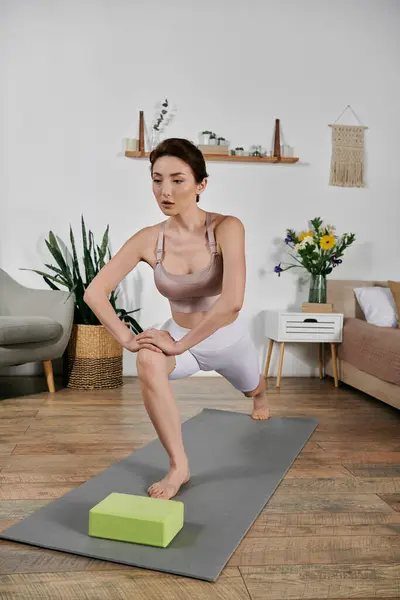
x=347 y=162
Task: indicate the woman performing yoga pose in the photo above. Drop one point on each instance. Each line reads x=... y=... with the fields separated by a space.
x=198 y=260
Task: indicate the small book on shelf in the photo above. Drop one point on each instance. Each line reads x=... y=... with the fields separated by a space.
x=316 y=307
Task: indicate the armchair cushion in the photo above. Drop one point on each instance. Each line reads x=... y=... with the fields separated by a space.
x=22 y=330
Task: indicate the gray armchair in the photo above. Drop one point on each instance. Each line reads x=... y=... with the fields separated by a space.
x=35 y=325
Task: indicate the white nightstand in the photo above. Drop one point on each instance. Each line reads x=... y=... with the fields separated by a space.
x=285 y=326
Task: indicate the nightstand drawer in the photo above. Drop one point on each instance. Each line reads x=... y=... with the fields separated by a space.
x=285 y=326
x=312 y=326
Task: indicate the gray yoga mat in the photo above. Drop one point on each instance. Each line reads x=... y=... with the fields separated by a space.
x=236 y=464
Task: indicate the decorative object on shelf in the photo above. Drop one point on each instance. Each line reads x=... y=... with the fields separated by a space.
x=213 y=151
x=156 y=128
x=256 y=150
x=239 y=151
x=204 y=137
x=93 y=357
x=215 y=145
x=217 y=150
x=286 y=151
x=318 y=251
x=131 y=144
x=347 y=161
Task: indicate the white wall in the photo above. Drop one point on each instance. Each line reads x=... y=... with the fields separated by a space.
x=75 y=74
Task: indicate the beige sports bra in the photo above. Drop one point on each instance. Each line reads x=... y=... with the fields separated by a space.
x=193 y=292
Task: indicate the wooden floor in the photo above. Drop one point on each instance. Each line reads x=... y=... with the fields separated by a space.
x=331 y=530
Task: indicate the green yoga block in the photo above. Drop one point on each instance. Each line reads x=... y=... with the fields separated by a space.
x=136 y=519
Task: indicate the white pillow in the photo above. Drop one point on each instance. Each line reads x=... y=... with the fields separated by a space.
x=378 y=305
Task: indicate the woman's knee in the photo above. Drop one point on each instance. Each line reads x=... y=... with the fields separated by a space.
x=148 y=361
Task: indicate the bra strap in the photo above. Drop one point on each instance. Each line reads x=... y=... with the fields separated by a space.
x=210 y=234
x=160 y=243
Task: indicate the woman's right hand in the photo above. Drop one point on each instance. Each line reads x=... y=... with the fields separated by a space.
x=134 y=346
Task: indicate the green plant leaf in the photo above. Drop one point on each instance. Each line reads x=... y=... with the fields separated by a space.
x=134 y=325
x=50 y=284
x=55 y=251
x=76 y=269
x=42 y=274
x=59 y=272
x=96 y=258
x=104 y=247
x=87 y=259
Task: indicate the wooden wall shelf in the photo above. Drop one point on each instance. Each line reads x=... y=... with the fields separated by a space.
x=276 y=159
x=224 y=157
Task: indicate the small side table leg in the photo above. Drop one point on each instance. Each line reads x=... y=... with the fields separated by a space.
x=321 y=359
x=278 y=380
x=334 y=364
x=271 y=343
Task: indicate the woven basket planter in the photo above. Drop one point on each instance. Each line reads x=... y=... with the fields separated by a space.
x=93 y=359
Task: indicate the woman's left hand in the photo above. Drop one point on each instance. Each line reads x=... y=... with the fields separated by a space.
x=160 y=338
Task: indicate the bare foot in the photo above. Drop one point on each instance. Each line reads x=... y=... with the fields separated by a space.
x=260 y=409
x=169 y=486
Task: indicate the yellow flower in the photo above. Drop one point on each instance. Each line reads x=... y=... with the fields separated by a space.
x=305 y=234
x=327 y=242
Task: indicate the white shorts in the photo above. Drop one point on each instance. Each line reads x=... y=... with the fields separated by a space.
x=229 y=351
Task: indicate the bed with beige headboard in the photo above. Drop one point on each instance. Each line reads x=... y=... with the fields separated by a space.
x=340 y=293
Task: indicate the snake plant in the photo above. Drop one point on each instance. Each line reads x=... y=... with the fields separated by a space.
x=69 y=275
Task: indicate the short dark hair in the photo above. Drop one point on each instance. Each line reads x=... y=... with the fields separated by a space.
x=186 y=151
